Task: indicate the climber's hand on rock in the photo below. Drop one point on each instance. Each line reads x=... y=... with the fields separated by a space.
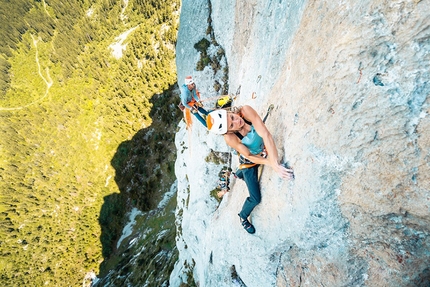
x=283 y=172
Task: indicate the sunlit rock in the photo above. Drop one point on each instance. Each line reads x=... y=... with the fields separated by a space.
x=350 y=85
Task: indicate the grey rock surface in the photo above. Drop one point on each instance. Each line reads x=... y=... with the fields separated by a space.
x=350 y=82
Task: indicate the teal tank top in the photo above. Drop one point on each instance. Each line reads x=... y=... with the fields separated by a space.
x=253 y=141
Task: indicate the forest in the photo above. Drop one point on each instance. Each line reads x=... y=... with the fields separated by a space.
x=75 y=122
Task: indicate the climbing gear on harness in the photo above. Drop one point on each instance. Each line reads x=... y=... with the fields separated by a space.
x=194 y=109
x=224 y=181
x=223 y=185
x=195 y=104
x=246 y=163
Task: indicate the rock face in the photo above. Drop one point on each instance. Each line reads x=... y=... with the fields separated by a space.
x=350 y=82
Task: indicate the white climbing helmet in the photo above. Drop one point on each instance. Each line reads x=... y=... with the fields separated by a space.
x=217 y=122
x=189 y=80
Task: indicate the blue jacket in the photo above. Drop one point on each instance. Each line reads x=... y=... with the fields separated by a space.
x=187 y=95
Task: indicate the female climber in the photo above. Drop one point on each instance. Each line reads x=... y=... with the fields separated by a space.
x=245 y=131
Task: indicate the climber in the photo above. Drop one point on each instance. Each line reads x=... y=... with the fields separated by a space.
x=190 y=99
x=244 y=130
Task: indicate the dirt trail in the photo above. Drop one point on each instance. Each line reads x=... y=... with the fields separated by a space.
x=48 y=81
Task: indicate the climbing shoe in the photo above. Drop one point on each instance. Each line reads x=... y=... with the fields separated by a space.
x=247 y=225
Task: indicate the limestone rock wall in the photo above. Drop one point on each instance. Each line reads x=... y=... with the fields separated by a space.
x=350 y=85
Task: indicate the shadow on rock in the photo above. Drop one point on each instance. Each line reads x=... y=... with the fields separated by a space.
x=144 y=170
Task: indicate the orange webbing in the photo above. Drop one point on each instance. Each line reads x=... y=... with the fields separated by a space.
x=192 y=102
x=246 y=165
x=251 y=164
x=187 y=118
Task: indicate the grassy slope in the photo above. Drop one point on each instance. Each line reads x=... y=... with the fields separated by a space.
x=57 y=144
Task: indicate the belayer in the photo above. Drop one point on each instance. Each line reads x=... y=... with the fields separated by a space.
x=245 y=131
x=190 y=99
